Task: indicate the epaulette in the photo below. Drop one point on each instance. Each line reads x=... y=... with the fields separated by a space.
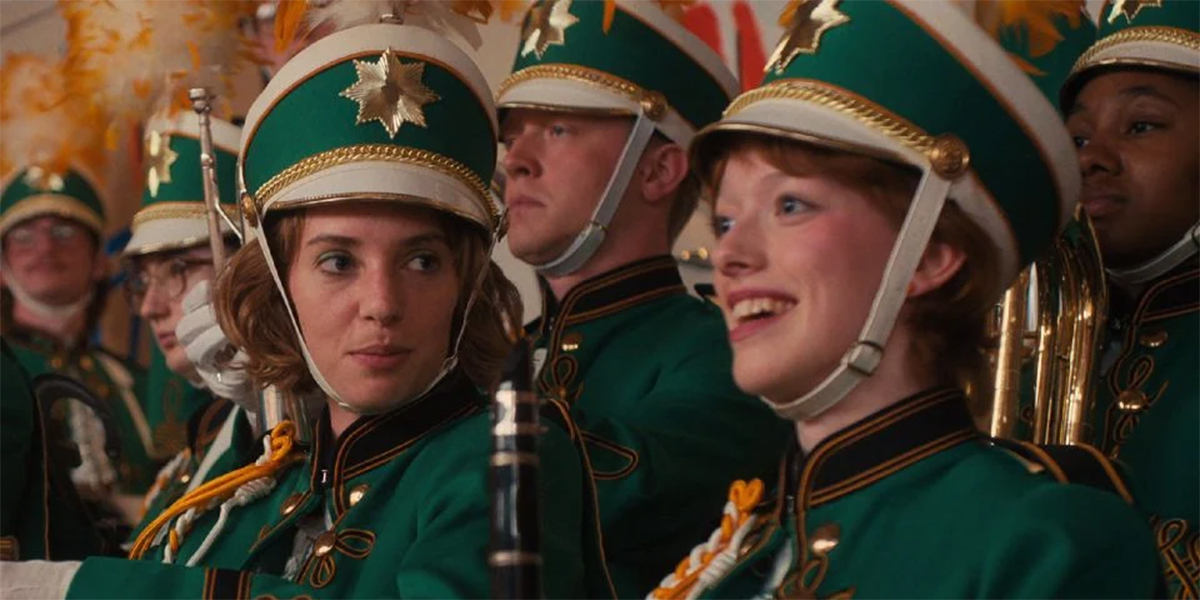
x=1079 y=464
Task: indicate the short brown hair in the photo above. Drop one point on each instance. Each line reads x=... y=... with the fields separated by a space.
x=951 y=321
x=249 y=311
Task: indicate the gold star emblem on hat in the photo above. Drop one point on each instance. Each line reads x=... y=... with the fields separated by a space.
x=159 y=157
x=547 y=26
x=1130 y=8
x=390 y=92
x=804 y=22
x=43 y=179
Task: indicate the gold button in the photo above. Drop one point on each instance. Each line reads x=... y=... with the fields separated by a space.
x=1132 y=401
x=289 y=505
x=184 y=478
x=86 y=363
x=357 y=493
x=825 y=538
x=324 y=543
x=571 y=342
x=56 y=363
x=1153 y=338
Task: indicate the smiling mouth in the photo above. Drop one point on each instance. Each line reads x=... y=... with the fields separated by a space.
x=750 y=315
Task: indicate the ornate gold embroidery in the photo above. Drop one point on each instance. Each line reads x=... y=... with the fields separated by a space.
x=1166 y=35
x=1180 y=551
x=354 y=543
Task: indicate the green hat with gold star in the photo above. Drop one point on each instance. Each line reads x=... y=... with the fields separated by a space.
x=37 y=191
x=1156 y=34
x=382 y=112
x=921 y=84
x=618 y=57
x=173 y=214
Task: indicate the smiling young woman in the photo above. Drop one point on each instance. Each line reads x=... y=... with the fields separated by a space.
x=869 y=215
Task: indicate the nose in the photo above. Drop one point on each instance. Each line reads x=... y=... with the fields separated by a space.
x=382 y=297
x=1099 y=155
x=520 y=159
x=154 y=303
x=740 y=250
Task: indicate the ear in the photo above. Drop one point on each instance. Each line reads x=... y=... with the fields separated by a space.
x=664 y=166
x=939 y=263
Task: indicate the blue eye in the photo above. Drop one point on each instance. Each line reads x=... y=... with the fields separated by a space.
x=424 y=263
x=335 y=262
x=721 y=225
x=788 y=205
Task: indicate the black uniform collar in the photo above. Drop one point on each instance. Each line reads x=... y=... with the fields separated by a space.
x=372 y=441
x=884 y=443
x=607 y=293
x=1175 y=293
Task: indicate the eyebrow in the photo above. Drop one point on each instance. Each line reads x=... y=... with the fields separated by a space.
x=1130 y=93
x=330 y=239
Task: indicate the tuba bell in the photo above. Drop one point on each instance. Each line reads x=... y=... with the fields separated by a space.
x=1053 y=317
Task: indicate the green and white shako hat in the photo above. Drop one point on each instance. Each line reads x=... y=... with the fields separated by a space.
x=374 y=113
x=174 y=215
x=37 y=191
x=619 y=57
x=1155 y=34
x=919 y=83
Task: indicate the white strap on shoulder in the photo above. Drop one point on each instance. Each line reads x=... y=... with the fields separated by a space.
x=863 y=358
x=589 y=240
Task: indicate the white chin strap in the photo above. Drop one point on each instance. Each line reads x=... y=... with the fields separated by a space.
x=1154 y=268
x=864 y=357
x=48 y=311
x=592 y=236
x=448 y=364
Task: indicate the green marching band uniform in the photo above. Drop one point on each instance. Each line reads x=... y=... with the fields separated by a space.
x=33 y=193
x=40 y=512
x=215 y=436
x=1148 y=395
x=644 y=366
x=913 y=501
x=402 y=497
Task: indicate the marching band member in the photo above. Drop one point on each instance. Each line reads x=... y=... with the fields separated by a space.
x=601 y=102
x=1133 y=104
x=368 y=285
x=872 y=199
x=52 y=221
x=171 y=266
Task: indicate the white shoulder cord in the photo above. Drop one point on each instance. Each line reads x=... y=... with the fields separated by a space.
x=592 y=236
x=1159 y=265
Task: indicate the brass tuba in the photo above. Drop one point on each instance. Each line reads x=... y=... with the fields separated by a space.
x=1061 y=336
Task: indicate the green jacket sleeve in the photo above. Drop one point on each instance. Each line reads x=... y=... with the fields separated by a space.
x=1067 y=541
x=691 y=435
x=17 y=420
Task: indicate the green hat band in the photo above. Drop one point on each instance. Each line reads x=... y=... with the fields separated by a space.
x=34 y=192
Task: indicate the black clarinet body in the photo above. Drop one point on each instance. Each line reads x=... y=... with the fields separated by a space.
x=515 y=558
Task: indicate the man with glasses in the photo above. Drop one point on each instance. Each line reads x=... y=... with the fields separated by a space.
x=53 y=278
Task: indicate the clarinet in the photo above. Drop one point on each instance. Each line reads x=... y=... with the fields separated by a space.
x=515 y=557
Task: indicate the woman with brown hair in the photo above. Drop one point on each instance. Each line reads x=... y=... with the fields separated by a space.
x=871 y=201
x=367 y=289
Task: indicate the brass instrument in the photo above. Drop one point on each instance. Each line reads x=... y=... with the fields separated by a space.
x=1068 y=292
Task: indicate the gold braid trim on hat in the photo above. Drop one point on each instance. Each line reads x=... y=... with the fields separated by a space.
x=170 y=210
x=947 y=153
x=377 y=153
x=654 y=103
x=51 y=204
x=1163 y=35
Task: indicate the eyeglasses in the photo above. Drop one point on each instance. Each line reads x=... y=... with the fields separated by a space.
x=172 y=283
x=24 y=236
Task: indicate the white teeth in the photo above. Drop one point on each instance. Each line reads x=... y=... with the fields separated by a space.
x=756 y=307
